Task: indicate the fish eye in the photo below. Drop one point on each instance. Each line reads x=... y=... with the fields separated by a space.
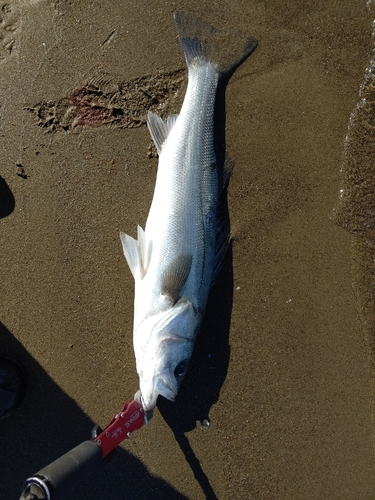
x=181 y=369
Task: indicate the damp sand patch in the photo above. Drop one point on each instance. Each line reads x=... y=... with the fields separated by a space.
x=355 y=211
x=105 y=101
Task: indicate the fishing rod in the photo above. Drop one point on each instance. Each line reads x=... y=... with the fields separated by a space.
x=56 y=479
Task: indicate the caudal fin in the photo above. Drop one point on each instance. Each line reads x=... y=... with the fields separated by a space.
x=202 y=43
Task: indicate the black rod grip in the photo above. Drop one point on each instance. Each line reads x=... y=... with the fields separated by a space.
x=55 y=480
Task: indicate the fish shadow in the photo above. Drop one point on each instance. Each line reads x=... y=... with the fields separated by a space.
x=47 y=424
x=209 y=364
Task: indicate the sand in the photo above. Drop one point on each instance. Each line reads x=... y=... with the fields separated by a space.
x=281 y=368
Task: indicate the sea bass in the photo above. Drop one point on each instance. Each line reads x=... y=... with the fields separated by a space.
x=176 y=258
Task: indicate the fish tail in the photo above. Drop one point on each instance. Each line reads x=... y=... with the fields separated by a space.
x=202 y=44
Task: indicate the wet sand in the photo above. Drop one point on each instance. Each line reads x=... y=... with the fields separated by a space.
x=281 y=368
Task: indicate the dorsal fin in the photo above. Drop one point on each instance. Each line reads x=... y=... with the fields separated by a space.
x=222 y=244
x=227 y=171
x=159 y=130
x=223 y=240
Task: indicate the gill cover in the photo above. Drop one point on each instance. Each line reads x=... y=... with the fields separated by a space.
x=163 y=360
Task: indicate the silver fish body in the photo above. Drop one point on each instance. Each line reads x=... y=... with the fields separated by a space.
x=174 y=260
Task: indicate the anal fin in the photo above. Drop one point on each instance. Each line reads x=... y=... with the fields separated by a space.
x=159 y=130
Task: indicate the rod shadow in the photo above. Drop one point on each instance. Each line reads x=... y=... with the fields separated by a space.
x=207 y=372
x=48 y=424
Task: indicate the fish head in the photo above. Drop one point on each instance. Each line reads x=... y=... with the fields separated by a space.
x=163 y=346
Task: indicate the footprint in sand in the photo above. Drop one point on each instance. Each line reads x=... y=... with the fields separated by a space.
x=10 y=25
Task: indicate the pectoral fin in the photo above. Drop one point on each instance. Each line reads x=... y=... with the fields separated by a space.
x=175 y=276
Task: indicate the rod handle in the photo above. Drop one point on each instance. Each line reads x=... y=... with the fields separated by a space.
x=53 y=482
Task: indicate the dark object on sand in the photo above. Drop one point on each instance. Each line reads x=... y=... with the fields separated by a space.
x=7 y=201
x=12 y=387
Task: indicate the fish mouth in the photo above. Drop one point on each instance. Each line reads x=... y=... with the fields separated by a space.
x=165 y=390
x=160 y=387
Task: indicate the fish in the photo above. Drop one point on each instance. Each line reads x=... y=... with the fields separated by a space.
x=176 y=258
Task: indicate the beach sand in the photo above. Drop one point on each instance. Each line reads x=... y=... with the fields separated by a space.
x=280 y=369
